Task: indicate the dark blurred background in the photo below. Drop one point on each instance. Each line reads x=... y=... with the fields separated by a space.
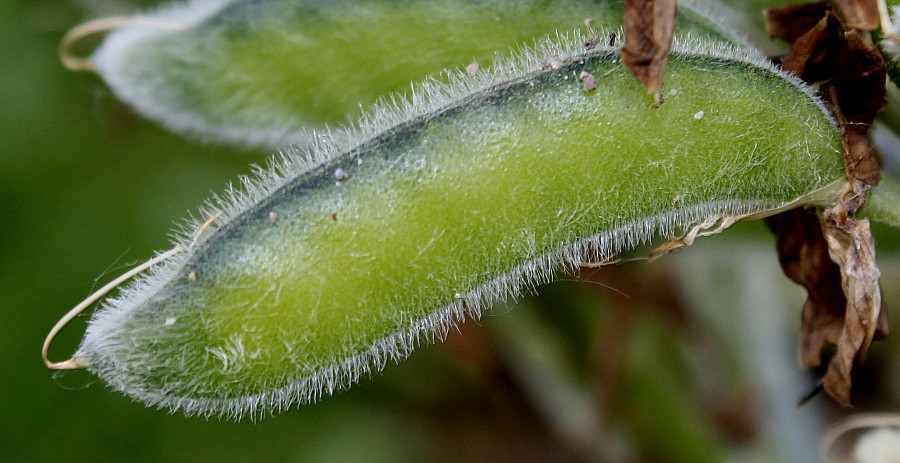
x=691 y=358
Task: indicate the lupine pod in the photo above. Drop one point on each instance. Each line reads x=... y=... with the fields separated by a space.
x=347 y=256
x=259 y=72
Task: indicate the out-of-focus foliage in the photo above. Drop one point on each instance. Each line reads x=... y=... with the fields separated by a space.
x=659 y=371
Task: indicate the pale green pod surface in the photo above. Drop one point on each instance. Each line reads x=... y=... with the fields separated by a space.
x=883 y=204
x=348 y=256
x=890 y=48
x=257 y=72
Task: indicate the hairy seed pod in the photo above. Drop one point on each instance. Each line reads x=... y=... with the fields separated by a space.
x=347 y=255
x=258 y=72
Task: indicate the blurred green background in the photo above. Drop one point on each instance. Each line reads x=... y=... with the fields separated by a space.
x=691 y=358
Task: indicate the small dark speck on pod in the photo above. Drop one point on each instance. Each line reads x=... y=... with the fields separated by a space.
x=334 y=216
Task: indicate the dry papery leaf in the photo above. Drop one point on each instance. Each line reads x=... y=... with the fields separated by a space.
x=803 y=254
x=790 y=22
x=808 y=246
x=860 y=14
x=850 y=244
x=851 y=69
x=829 y=252
x=649 y=27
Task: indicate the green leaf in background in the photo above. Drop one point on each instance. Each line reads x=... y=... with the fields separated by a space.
x=347 y=256
x=258 y=73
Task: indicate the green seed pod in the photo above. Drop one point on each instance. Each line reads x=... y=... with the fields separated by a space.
x=348 y=255
x=258 y=72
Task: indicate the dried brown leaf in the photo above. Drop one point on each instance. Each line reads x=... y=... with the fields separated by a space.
x=813 y=55
x=803 y=254
x=851 y=245
x=854 y=76
x=649 y=27
x=831 y=253
x=860 y=14
x=790 y=22
x=836 y=265
x=854 y=101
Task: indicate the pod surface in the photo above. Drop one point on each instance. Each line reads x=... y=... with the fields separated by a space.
x=326 y=270
x=258 y=72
